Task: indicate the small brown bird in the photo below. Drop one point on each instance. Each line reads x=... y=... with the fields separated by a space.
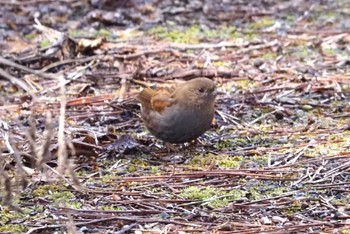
x=179 y=114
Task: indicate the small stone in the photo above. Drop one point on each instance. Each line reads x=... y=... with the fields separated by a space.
x=278 y=219
x=265 y=220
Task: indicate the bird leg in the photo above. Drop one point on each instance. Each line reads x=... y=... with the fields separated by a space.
x=171 y=148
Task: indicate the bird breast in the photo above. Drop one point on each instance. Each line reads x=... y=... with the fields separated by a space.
x=178 y=124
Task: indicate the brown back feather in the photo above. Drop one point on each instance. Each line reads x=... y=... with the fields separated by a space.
x=145 y=97
x=156 y=100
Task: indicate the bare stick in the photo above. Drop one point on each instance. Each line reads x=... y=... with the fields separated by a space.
x=62 y=147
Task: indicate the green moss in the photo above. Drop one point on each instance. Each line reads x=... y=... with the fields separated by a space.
x=55 y=193
x=82 y=34
x=13 y=228
x=219 y=203
x=104 y=33
x=39 y=208
x=277 y=191
x=226 y=143
x=231 y=162
x=269 y=55
x=334 y=137
x=189 y=51
x=345 y=231
x=155 y=170
x=346 y=88
x=134 y=184
x=250 y=36
x=245 y=84
x=254 y=193
x=140 y=163
x=108 y=178
x=294 y=208
x=257 y=140
x=9 y=215
x=186 y=36
x=290 y=19
x=111 y=208
x=259 y=159
x=76 y=33
x=158 y=31
x=330 y=51
x=198 y=193
x=65 y=198
x=340 y=202
x=307 y=107
x=328 y=148
x=223 y=32
x=46 y=189
x=330 y=16
x=44 y=43
x=201 y=160
x=214 y=197
x=222 y=64
x=136 y=165
x=261 y=23
x=30 y=36
x=303 y=52
x=265 y=189
x=193 y=34
x=81 y=173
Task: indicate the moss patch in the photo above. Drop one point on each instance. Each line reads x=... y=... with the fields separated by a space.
x=214 y=197
x=194 y=34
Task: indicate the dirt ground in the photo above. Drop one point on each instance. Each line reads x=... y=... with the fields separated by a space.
x=76 y=157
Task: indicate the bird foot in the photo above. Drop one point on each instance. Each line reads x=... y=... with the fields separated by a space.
x=171 y=148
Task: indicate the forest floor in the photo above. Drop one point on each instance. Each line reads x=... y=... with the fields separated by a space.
x=76 y=157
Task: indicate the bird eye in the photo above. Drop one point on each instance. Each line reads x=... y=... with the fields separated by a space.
x=201 y=90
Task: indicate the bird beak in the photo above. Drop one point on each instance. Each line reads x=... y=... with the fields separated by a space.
x=218 y=92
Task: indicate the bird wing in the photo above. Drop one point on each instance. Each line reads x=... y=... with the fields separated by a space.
x=156 y=100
